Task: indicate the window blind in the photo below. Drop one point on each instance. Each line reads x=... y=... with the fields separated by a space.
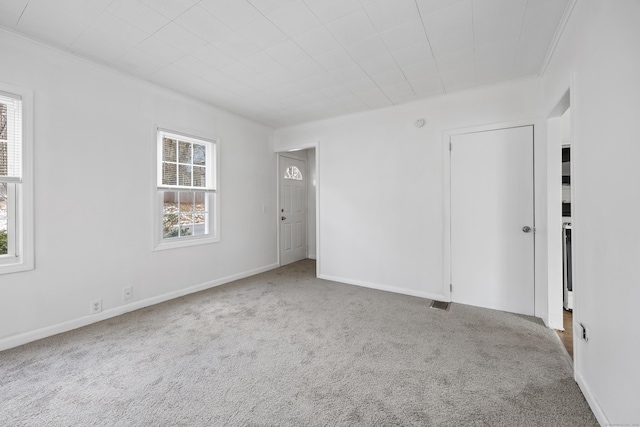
x=10 y=138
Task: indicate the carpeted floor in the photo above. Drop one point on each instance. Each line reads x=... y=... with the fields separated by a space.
x=284 y=348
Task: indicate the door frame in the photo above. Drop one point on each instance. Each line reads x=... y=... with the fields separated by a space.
x=294 y=156
x=446 y=197
x=292 y=149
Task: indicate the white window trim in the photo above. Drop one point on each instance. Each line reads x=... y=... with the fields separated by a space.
x=24 y=200
x=213 y=192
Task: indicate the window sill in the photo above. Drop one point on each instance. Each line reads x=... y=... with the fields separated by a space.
x=7 y=267
x=185 y=242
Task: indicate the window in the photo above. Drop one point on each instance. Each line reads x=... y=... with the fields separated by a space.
x=186 y=189
x=16 y=217
x=294 y=173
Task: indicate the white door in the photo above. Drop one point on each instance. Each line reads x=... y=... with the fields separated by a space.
x=492 y=236
x=293 y=212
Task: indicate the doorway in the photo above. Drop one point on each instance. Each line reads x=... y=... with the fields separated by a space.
x=293 y=209
x=492 y=219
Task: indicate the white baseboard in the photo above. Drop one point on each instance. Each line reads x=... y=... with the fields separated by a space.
x=393 y=289
x=27 y=337
x=591 y=400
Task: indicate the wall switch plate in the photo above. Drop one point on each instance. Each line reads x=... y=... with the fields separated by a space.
x=96 y=306
x=127 y=293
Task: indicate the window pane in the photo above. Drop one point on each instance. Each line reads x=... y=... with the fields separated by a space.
x=4 y=160
x=169 y=151
x=170 y=215
x=293 y=172
x=199 y=176
x=186 y=223
x=186 y=201
x=184 y=152
x=199 y=154
x=184 y=175
x=4 y=220
x=201 y=216
x=169 y=173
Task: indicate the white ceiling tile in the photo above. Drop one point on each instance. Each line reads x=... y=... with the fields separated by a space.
x=330 y=10
x=213 y=56
x=484 y=10
x=294 y=18
x=430 y=6
x=420 y=69
x=139 y=63
x=458 y=79
x=287 y=52
x=281 y=77
x=100 y=47
x=156 y=47
x=233 y=13
x=427 y=86
x=240 y=71
x=379 y=64
x=263 y=63
x=496 y=29
x=390 y=77
x=170 y=8
x=201 y=23
x=454 y=18
x=367 y=48
x=319 y=40
x=375 y=98
x=405 y=35
x=349 y=74
x=543 y=14
x=349 y=100
x=493 y=71
x=386 y=14
x=47 y=23
x=399 y=92
x=334 y=59
x=451 y=43
x=307 y=69
x=176 y=36
x=361 y=85
x=260 y=83
x=532 y=50
x=138 y=14
x=497 y=50
x=236 y=46
x=266 y=6
x=115 y=28
x=323 y=81
x=262 y=33
x=13 y=8
x=335 y=91
x=193 y=66
x=81 y=10
x=352 y=28
x=413 y=54
x=455 y=61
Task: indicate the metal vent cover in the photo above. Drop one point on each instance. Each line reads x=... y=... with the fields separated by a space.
x=440 y=305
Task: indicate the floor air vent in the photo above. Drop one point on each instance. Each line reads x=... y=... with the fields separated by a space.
x=440 y=305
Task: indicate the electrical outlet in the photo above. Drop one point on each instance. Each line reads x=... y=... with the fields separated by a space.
x=127 y=293
x=96 y=306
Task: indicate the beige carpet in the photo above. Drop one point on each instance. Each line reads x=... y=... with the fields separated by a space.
x=284 y=348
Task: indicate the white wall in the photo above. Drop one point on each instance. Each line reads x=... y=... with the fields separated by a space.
x=381 y=184
x=600 y=48
x=94 y=150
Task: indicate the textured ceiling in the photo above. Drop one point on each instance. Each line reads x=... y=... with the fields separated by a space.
x=283 y=62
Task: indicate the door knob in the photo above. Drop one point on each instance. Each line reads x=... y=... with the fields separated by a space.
x=526 y=229
x=283 y=218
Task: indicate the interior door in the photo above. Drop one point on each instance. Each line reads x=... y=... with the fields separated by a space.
x=293 y=210
x=492 y=219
